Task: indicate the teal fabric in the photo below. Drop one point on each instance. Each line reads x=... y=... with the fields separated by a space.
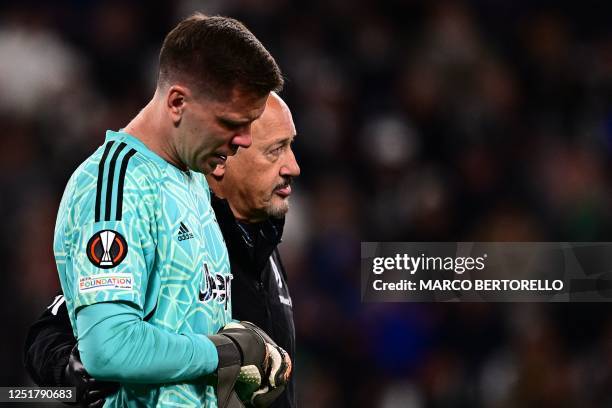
x=169 y=262
x=115 y=344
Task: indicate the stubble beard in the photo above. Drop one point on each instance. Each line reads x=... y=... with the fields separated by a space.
x=278 y=209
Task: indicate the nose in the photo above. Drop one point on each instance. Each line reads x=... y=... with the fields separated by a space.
x=243 y=137
x=290 y=167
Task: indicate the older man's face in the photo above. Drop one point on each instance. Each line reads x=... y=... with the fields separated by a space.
x=257 y=180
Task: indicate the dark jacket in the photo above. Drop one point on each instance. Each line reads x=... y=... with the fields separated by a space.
x=259 y=295
x=259 y=289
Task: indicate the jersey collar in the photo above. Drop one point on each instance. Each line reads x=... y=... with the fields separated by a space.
x=136 y=144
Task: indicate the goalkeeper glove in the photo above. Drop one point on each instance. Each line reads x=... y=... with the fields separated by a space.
x=279 y=372
x=248 y=355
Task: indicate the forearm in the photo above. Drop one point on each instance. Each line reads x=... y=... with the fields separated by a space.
x=115 y=344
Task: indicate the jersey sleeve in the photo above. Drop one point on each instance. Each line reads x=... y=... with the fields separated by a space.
x=114 y=242
x=117 y=345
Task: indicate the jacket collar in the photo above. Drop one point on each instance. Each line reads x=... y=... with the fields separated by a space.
x=248 y=244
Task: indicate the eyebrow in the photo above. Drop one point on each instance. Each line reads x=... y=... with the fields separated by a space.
x=283 y=141
x=234 y=122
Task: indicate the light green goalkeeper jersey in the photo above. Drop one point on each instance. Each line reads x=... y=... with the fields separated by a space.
x=132 y=228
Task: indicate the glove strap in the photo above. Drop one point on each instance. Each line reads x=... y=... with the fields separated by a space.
x=227 y=371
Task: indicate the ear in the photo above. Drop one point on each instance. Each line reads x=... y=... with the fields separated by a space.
x=219 y=171
x=176 y=101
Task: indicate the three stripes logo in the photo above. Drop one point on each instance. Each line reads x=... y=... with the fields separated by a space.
x=184 y=233
x=109 y=190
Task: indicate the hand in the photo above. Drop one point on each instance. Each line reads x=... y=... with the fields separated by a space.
x=250 y=360
x=90 y=393
x=261 y=385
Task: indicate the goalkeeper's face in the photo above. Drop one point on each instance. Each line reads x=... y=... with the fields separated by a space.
x=211 y=130
x=257 y=181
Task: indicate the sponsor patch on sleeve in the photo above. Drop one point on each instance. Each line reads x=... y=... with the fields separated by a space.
x=106 y=249
x=106 y=281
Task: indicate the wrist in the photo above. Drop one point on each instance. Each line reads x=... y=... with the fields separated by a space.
x=227 y=351
x=228 y=367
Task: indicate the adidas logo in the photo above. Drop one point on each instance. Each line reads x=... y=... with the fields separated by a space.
x=184 y=233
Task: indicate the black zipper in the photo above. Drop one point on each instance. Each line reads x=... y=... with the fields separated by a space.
x=259 y=285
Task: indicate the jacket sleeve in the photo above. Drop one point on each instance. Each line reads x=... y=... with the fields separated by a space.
x=48 y=345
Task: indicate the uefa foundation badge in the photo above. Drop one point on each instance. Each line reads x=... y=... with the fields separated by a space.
x=106 y=249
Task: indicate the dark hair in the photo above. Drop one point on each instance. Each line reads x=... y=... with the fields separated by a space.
x=215 y=55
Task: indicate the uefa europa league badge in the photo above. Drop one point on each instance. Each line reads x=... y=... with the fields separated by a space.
x=106 y=249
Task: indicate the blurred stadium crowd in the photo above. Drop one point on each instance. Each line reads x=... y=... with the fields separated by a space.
x=417 y=121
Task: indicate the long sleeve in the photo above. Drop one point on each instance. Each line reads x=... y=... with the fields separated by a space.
x=116 y=344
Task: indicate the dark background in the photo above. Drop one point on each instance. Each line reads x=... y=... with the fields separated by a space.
x=417 y=121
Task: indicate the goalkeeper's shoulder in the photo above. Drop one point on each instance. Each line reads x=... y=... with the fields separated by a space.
x=111 y=183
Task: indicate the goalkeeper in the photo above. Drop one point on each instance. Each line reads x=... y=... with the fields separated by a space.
x=142 y=263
